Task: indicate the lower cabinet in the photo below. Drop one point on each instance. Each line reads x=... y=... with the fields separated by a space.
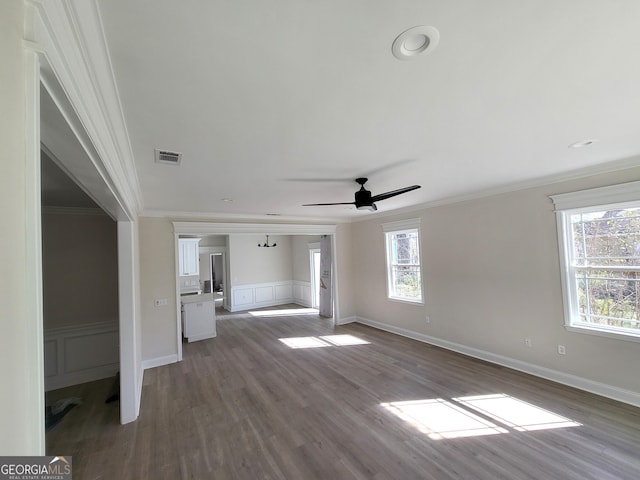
x=198 y=318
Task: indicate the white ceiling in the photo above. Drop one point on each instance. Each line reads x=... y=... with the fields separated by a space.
x=278 y=103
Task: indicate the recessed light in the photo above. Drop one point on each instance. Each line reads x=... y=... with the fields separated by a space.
x=228 y=200
x=584 y=143
x=415 y=41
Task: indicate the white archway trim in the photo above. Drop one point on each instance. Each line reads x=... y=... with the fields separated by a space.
x=204 y=228
x=212 y=228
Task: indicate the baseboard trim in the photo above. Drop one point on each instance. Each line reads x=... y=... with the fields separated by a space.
x=139 y=392
x=159 y=361
x=615 y=393
x=257 y=305
x=346 y=320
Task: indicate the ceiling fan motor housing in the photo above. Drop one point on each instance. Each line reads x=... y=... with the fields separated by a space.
x=363 y=197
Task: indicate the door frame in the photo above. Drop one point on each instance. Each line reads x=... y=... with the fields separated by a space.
x=99 y=162
x=204 y=229
x=225 y=277
x=314 y=248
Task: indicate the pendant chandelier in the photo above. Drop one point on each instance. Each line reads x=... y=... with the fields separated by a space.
x=266 y=244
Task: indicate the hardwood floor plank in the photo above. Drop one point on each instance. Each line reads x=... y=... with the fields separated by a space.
x=247 y=406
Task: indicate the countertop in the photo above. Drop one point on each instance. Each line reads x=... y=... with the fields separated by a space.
x=204 y=297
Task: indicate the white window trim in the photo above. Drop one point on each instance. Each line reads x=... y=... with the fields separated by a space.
x=402 y=226
x=604 y=198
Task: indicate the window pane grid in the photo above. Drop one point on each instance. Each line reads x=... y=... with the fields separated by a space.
x=405 y=280
x=608 y=237
x=404 y=272
x=606 y=263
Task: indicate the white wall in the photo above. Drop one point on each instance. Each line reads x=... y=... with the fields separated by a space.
x=301 y=266
x=157 y=281
x=251 y=264
x=80 y=269
x=206 y=244
x=344 y=287
x=214 y=241
x=157 y=277
x=492 y=277
x=21 y=371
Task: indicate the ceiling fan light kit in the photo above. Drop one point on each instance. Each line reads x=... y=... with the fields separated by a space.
x=363 y=198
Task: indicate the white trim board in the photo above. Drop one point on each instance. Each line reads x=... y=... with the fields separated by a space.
x=347 y=320
x=619 y=394
x=159 y=361
x=597 y=198
x=208 y=228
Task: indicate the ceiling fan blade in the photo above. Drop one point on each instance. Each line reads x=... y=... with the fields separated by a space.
x=393 y=193
x=325 y=204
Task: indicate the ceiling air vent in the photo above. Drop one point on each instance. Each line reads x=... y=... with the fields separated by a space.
x=170 y=158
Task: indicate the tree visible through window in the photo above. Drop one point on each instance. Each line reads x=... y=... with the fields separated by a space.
x=605 y=262
x=403 y=265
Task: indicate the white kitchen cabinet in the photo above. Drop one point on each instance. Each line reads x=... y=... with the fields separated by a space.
x=198 y=317
x=188 y=256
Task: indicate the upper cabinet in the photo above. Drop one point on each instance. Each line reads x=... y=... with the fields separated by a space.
x=188 y=256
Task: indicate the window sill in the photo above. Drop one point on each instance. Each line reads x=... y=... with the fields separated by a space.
x=603 y=332
x=406 y=300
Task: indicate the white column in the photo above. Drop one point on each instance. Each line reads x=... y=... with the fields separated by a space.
x=21 y=347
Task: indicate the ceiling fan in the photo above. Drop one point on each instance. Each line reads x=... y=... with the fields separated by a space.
x=363 y=198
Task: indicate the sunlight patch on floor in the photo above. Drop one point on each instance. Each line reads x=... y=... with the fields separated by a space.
x=284 y=312
x=341 y=340
x=515 y=413
x=443 y=419
x=323 y=341
x=304 y=342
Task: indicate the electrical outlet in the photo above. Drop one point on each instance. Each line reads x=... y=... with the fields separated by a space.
x=428 y=319
x=561 y=350
x=527 y=342
x=160 y=302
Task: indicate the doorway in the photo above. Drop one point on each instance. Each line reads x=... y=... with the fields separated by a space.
x=314 y=259
x=65 y=141
x=217 y=278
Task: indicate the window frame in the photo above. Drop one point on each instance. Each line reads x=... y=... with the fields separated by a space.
x=394 y=228
x=587 y=201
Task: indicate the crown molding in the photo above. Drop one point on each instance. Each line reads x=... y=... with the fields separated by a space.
x=212 y=228
x=70 y=33
x=240 y=217
x=600 y=169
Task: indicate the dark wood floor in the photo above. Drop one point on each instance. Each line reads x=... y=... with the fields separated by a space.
x=247 y=406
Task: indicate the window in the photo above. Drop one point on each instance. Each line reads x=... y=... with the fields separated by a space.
x=404 y=277
x=600 y=251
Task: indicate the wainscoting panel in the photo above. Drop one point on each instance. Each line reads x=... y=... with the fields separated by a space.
x=247 y=297
x=241 y=298
x=264 y=294
x=50 y=358
x=284 y=291
x=80 y=354
x=302 y=293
